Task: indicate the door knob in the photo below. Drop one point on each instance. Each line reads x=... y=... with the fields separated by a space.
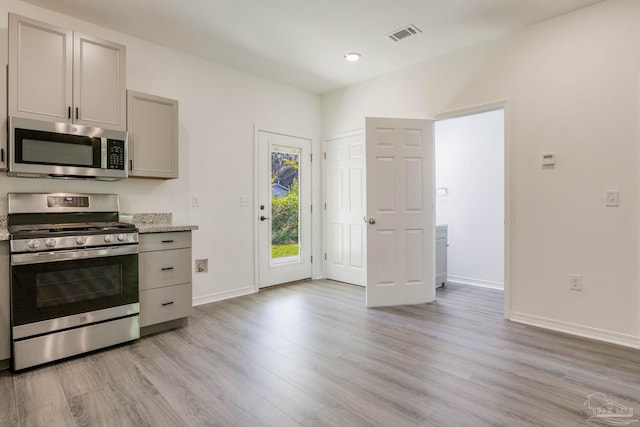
x=372 y=221
x=262 y=217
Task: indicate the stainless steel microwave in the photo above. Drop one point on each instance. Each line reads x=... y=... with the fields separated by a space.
x=40 y=149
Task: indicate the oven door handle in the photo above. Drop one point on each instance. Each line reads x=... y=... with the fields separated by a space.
x=55 y=256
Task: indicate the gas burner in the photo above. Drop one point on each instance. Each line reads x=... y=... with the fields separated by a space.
x=65 y=229
x=36 y=224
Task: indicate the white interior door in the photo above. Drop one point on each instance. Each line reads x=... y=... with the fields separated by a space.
x=345 y=231
x=400 y=230
x=284 y=208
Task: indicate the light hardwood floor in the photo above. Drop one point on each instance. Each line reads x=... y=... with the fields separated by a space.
x=311 y=354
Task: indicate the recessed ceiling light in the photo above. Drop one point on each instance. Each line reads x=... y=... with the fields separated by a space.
x=352 y=56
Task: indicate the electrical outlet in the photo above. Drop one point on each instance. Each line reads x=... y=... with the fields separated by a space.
x=195 y=201
x=244 y=201
x=202 y=265
x=575 y=282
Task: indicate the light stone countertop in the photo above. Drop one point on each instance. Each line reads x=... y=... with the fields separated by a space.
x=155 y=223
x=4 y=232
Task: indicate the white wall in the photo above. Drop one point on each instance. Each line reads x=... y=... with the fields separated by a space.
x=574 y=89
x=469 y=158
x=219 y=108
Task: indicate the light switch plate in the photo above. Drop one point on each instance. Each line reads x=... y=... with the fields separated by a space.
x=612 y=198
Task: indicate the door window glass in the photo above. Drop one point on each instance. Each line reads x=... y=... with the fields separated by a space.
x=285 y=204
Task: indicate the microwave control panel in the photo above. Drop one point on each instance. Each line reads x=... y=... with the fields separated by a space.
x=115 y=154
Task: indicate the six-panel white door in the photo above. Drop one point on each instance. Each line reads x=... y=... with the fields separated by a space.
x=400 y=213
x=345 y=231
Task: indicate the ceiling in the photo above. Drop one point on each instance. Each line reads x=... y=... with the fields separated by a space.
x=303 y=42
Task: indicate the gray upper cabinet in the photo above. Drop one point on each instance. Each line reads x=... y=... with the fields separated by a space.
x=152 y=122
x=61 y=76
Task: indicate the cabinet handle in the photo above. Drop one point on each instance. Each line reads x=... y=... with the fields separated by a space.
x=77 y=112
x=166 y=268
x=2 y=155
x=167 y=241
x=69 y=112
x=164 y=304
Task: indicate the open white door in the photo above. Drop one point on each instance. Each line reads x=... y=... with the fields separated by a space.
x=400 y=230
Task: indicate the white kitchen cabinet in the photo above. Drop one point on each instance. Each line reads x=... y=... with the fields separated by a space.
x=5 y=328
x=441 y=254
x=61 y=76
x=164 y=280
x=152 y=122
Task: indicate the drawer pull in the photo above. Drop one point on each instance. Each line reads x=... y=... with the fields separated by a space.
x=167 y=241
x=166 y=268
x=164 y=304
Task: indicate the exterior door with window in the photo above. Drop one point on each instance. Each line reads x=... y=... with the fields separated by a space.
x=284 y=208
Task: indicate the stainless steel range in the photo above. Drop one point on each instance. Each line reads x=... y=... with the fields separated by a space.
x=74 y=276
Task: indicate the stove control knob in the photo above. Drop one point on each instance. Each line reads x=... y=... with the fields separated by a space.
x=122 y=237
x=50 y=243
x=108 y=238
x=34 y=244
x=81 y=240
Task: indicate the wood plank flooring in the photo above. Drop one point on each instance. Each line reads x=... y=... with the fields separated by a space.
x=311 y=354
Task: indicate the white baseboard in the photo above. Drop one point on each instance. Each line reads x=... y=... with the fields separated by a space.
x=579 y=330
x=206 y=299
x=317 y=276
x=475 y=282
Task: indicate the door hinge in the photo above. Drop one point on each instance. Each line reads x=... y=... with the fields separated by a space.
x=311 y=208
x=311 y=259
x=325 y=206
x=325 y=155
x=325 y=255
x=311 y=157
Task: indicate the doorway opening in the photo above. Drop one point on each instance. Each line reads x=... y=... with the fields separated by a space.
x=470 y=201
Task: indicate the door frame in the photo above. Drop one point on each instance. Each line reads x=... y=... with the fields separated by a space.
x=506 y=105
x=256 y=196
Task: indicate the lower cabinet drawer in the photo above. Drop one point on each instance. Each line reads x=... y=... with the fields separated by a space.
x=164 y=304
x=164 y=268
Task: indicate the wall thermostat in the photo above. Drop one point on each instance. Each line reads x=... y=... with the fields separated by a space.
x=548 y=159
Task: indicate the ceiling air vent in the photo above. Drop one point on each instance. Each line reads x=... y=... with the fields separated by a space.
x=403 y=33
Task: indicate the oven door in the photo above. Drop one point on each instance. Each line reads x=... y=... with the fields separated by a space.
x=49 y=287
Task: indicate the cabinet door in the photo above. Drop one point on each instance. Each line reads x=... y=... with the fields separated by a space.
x=152 y=122
x=441 y=261
x=99 y=88
x=40 y=70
